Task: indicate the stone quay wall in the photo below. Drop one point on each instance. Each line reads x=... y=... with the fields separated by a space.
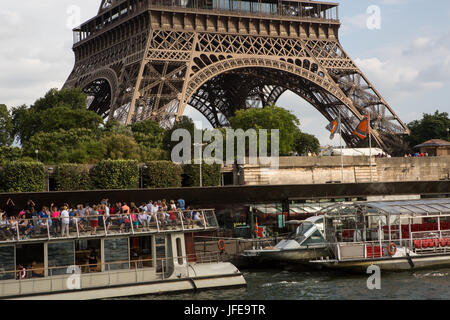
x=320 y=170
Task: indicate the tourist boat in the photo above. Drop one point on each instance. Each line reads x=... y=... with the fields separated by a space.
x=393 y=235
x=120 y=258
x=306 y=243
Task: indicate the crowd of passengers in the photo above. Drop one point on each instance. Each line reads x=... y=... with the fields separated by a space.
x=86 y=218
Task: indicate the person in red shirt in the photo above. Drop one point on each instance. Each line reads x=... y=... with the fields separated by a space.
x=173 y=218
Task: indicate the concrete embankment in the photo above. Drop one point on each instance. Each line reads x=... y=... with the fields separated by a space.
x=319 y=170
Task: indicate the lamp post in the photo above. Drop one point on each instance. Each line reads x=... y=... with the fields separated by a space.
x=37 y=154
x=448 y=129
x=201 y=160
x=49 y=170
x=142 y=175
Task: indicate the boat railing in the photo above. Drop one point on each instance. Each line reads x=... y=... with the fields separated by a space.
x=426 y=243
x=158 y=266
x=43 y=228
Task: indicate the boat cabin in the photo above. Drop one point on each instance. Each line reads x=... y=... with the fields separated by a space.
x=372 y=230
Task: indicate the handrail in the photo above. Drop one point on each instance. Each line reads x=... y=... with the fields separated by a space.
x=46 y=228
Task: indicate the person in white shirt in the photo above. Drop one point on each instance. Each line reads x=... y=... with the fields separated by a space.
x=143 y=219
x=65 y=221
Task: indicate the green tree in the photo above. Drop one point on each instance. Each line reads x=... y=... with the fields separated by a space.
x=431 y=126
x=269 y=117
x=10 y=154
x=211 y=175
x=65 y=109
x=23 y=177
x=74 y=98
x=6 y=126
x=115 y=174
x=116 y=127
x=162 y=174
x=148 y=133
x=182 y=123
x=65 y=146
x=305 y=143
x=119 y=146
x=69 y=177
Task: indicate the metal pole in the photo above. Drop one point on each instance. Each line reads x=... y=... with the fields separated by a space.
x=201 y=178
x=370 y=149
x=340 y=142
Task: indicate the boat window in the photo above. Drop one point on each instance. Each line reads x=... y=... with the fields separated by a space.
x=303 y=228
x=160 y=245
x=31 y=256
x=141 y=252
x=315 y=238
x=116 y=254
x=7 y=263
x=88 y=255
x=179 y=252
x=60 y=256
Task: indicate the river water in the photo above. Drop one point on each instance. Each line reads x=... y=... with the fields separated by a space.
x=327 y=285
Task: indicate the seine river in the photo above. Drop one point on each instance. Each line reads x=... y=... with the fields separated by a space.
x=327 y=285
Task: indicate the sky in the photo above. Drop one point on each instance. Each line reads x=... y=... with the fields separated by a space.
x=406 y=57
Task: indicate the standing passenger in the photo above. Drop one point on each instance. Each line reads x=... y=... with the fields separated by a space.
x=65 y=221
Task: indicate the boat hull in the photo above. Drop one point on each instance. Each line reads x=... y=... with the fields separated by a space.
x=390 y=264
x=301 y=256
x=125 y=283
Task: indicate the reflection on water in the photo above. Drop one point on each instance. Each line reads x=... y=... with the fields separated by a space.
x=327 y=285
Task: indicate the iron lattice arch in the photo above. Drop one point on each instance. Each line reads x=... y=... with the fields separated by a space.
x=149 y=59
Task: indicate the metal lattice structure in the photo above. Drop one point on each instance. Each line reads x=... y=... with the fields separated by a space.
x=149 y=59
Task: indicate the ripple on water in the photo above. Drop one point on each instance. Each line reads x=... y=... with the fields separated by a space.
x=322 y=285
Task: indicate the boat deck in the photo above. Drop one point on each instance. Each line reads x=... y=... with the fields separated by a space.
x=41 y=229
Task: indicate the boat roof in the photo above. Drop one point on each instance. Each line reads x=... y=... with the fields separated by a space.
x=406 y=207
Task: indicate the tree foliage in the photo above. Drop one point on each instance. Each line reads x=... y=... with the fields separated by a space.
x=65 y=146
x=211 y=175
x=72 y=177
x=115 y=174
x=162 y=174
x=6 y=126
x=182 y=123
x=305 y=143
x=10 y=154
x=269 y=117
x=119 y=146
x=431 y=126
x=21 y=176
x=64 y=109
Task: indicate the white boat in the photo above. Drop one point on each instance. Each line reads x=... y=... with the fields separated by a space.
x=119 y=260
x=393 y=235
x=306 y=243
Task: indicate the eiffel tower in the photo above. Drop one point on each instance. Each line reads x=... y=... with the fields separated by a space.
x=149 y=59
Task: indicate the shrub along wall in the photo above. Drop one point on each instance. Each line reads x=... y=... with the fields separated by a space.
x=211 y=175
x=72 y=177
x=20 y=176
x=162 y=174
x=115 y=174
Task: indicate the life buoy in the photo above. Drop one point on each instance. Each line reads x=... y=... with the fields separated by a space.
x=392 y=249
x=221 y=245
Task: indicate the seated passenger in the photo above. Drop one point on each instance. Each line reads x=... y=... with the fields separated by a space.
x=188 y=218
x=197 y=219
